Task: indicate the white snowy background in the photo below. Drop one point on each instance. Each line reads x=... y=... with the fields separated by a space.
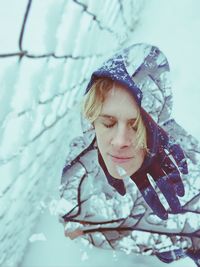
x=43 y=72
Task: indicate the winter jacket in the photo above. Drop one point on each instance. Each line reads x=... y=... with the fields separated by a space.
x=111 y=220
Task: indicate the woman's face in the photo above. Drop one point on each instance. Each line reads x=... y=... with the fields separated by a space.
x=115 y=135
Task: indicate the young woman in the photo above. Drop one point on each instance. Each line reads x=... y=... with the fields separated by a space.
x=126 y=181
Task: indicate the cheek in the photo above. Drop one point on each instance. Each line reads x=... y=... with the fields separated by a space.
x=102 y=141
x=140 y=152
x=141 y=156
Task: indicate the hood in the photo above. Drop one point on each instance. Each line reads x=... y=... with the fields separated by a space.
x=144 y=70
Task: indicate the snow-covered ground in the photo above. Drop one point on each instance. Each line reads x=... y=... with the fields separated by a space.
x=172 y=25
x=52 y=249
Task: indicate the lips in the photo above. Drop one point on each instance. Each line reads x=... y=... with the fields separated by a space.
x=120 y=157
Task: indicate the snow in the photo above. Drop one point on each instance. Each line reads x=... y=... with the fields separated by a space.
x=37 y=237
x=59 y=251
x=172 y=26
x=11 y=22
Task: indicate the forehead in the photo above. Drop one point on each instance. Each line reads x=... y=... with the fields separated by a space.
x=119 y=103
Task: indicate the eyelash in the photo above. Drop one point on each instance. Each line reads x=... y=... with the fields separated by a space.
x=108 y=126
x=111 y=125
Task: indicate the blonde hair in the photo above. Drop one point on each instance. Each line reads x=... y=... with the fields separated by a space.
x=92 y=105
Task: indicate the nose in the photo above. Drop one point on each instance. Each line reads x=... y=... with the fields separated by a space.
x=122 y=137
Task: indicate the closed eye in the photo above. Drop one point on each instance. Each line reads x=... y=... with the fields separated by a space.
x=108 y=126
x=133 y=126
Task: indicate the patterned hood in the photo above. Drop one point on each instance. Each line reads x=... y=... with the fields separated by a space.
x=144 y=70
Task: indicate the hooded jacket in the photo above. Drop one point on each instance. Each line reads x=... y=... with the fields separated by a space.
x=93 y=202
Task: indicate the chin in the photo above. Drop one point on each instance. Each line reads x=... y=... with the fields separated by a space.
x=117 y=176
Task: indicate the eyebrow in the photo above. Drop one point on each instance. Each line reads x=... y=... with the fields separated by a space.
x=113 y=117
